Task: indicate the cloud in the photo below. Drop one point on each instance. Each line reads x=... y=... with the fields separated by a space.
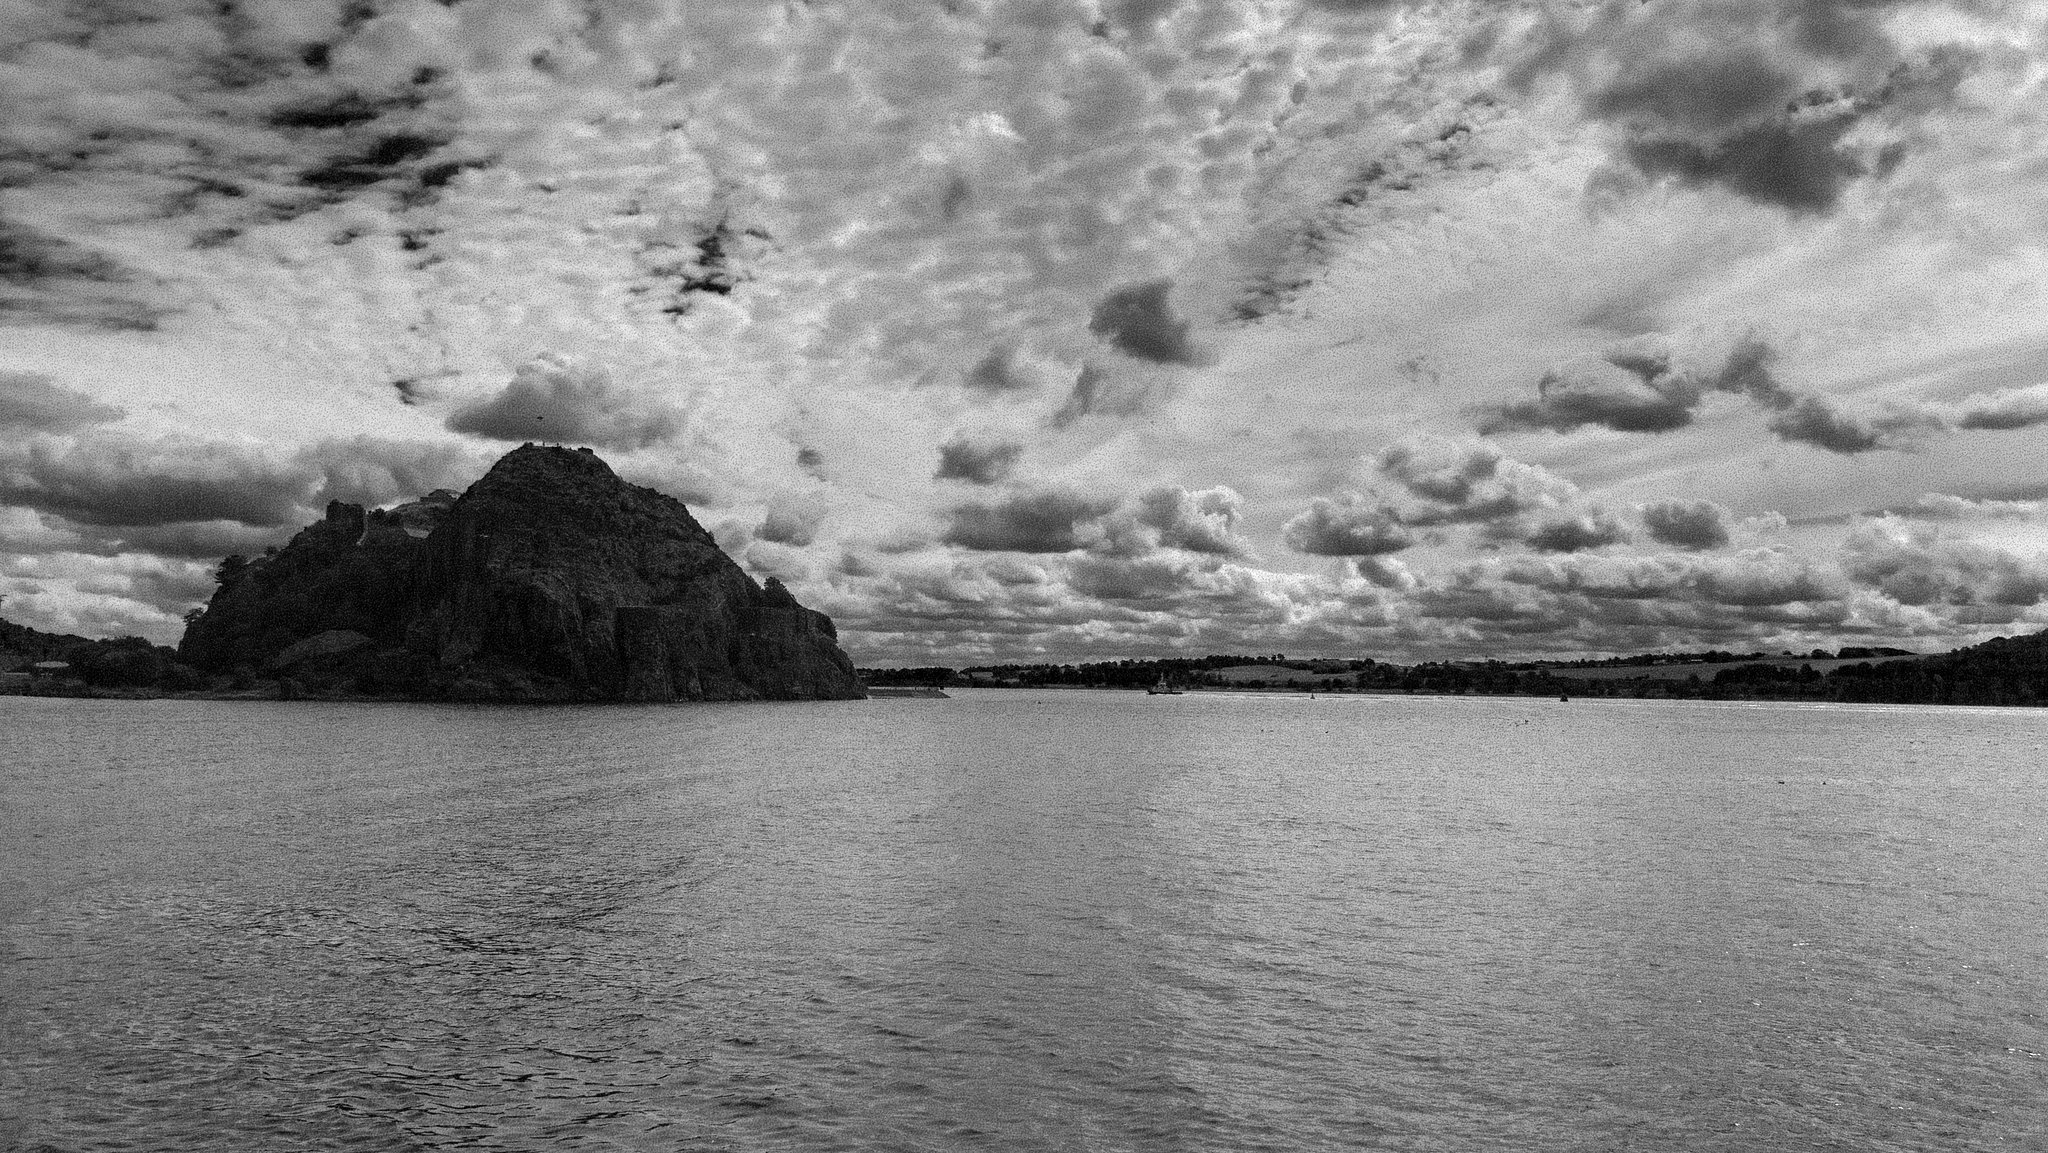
x=552 y=399
x=1440 y=481
x=1818 y=422
x=1202 y=522
x=1388 y=573
x=1794 y=164
x=1688 y=524
x=127 y=483
x=1579 y=532
x=33 y=402
x=791 y=522
x=1917 y=565
x=1626 y=394
x=1350 y=525
x=1099 y=392
x=2004 y=410
x=1139 y=322
x=1636 y=387
x=1743 y=95
x=1464 y=481
x=978 y=461
x=1045 y=521
x=45 y=279
x=1171 y=517
x=1728 y=85
x=371 y=471
x=1001 y=371
x=1947 y=506
x=152 y=482
x=1624 y=603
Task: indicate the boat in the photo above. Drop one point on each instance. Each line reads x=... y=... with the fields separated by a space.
x=1163 y=689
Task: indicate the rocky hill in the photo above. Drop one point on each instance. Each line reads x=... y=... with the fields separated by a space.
x=550 y=579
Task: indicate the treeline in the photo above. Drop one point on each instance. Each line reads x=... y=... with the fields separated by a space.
x=88 y=665
x=1122 y=674
x=1720 y=657
x=2003 y=671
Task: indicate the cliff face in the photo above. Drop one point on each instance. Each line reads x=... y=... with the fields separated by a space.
x=550 y=579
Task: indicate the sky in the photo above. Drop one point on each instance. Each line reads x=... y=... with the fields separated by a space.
x=1062 y=329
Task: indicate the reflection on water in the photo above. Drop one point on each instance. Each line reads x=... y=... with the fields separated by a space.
x=1023 y=921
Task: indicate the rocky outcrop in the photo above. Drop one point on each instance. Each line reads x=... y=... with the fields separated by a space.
x=549 y=579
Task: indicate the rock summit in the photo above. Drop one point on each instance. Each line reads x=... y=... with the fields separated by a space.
x=550 y=579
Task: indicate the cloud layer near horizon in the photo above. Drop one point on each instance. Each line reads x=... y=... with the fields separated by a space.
x=1010 y=328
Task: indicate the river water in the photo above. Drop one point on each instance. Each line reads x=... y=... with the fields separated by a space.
x=1024 y=920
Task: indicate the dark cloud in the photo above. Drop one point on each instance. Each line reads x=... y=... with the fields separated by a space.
x=811 y=461
x=1289 y=255
x=1636 y=388
x=1097 y=392
x=374 y=161
x=1464 y=482
x=1710 y=90
x=1140 y=322
x=1918 y=566
x=1621 y=603
x=1038 y=522
x=999 y=372
x=48 y=280
x=549 y=399
x=1689 y=524
x=1158 y=582
x=1578 y=533
x=1626 y=396
x=31 y=401
x=1812 y=420
x=712 y=263
x=131 y=482
x=978 y=462
x=1081 y=400
x=1351 y=525
x=1797 y=165
x=31 y=259
x=1387 y=573
x=2004 y=411
x=955 y=197
x=790 y=525
x=133 y=486
x=192 y=540
x=1757 y=98
x=344 y=109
